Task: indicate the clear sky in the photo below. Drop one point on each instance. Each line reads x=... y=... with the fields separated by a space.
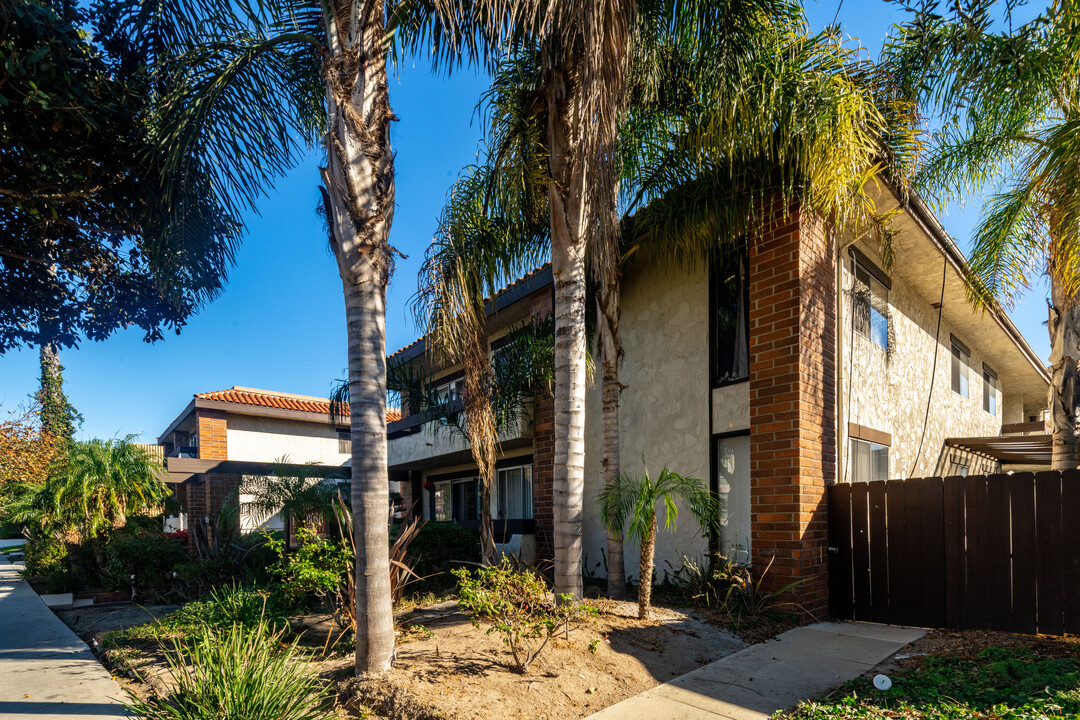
x=280 y=322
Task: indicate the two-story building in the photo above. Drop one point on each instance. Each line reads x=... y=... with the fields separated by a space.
x=224 y=435
x=795 y=362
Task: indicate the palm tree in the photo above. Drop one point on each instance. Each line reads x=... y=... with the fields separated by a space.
x=100 y=484
x=629 y=506
x=696 y=158
x=294 y=492
x=581 y=51
x=1013 y=97
x=247 y=87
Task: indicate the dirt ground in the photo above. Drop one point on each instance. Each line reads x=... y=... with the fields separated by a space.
x=447 y=668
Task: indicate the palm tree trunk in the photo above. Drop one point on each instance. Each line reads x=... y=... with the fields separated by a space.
x=566 y=198
x=359 y=180
x=648 y=548
x=480 y=427
x=1064 y=327
x=608 y=322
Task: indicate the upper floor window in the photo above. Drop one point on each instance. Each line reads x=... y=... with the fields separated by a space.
x=449 y=391
x=990 y=390
x=344 y=441
x=961 y=360
x=870 y=301
x=731 y=316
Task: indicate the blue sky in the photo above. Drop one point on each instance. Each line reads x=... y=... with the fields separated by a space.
x=280 y=322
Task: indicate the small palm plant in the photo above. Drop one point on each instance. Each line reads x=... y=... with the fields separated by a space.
x=628 y=506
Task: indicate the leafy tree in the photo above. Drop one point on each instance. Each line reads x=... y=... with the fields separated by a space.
x=89 y=245
x=58 y=416
x=1008 y=107
x=629 y=506
x=27 y=453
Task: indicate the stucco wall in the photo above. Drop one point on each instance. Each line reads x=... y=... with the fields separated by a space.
x=888 y=390
x=664 y=413
x=269 y=439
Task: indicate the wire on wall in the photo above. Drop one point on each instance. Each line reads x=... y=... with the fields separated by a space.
x=933 y=371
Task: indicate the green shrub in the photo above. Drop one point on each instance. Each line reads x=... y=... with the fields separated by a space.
x=519 y=605
x=236 y=673
x=313 y=571
x=45 y=555
x=438 y=549
x=148 y=561
x=230 y=605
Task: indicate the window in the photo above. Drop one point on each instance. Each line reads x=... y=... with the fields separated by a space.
x=516 y=493
x=733 y=490
x=456 y=500
x=441 y=502
x=961 y=359
x=449 y=391
x=870 y=303
x=990 y=390
x=869 y=461
x=344 y=441
x=731 y=316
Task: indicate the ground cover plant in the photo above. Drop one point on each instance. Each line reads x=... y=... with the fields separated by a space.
x=236 y=672
x=1004 y=683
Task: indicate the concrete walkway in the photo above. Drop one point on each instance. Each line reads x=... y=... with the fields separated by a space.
x=756 y=682
x=46 y=671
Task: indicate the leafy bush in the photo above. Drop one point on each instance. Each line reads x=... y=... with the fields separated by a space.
x=313 y=571
x=726 y=585
x=437 y=549
x=518 y=605
x=45 y=555
x=236 y=673
x=148 y=561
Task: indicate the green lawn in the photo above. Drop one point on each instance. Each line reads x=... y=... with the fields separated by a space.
x=1002 y=684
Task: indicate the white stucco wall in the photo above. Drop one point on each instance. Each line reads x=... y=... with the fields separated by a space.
x=664 y=413
x=888 y=390
x=268 y=439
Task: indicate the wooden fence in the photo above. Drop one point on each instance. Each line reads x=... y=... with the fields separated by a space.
x=997 y=552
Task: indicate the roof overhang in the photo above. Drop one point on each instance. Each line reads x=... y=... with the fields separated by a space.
x=183 y=470
x=242 y=409
x=1009 y=449
x=928 y=255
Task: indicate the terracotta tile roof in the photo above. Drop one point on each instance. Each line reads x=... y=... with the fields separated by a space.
x=282 y=401
x=509 y=287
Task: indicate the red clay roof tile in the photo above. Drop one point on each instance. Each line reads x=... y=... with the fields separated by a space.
x=283 y=401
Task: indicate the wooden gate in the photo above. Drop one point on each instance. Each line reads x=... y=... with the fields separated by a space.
x=997 y=552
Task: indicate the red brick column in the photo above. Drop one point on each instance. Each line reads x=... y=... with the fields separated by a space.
x=544 y=474
x=792 y=405
x=213 y=442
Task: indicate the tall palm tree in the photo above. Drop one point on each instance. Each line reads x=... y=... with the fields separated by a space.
x=582 y=51
x=696 y=157
x=246 y=88
x=1011 y=108
x=628 y=506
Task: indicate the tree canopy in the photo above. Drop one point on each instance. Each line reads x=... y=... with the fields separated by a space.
x=88 y=242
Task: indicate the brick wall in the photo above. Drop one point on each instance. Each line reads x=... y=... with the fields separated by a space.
x=792 y=405
x=213 y=444
x=541 y=304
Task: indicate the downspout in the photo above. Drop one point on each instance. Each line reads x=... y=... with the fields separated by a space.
x=841 y=406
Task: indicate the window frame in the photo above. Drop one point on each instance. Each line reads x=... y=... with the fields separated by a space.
x=501 y=494
x=874 y=469
x=960 y=367
x=865 y=272
x=991 y=385
x=743 y=257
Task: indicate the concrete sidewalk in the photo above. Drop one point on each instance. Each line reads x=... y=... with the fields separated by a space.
x=46 y=671
x=756 y=682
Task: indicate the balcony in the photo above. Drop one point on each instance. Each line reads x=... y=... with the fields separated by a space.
x=415 y=442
